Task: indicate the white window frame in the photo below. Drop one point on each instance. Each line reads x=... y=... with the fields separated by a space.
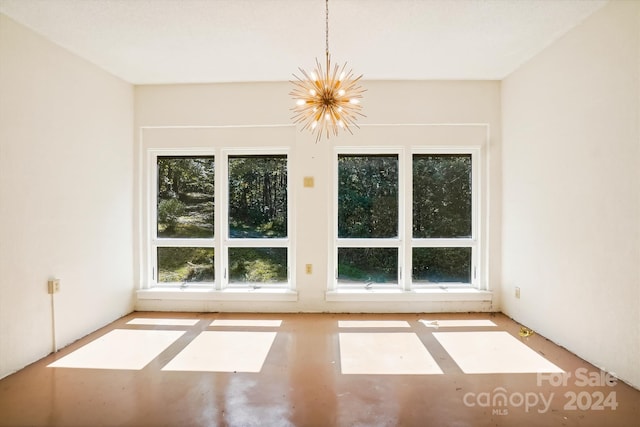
x=405 y=242
x=220 y=242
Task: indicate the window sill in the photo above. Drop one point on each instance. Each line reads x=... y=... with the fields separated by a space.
x=194 y=294
x=387 y=295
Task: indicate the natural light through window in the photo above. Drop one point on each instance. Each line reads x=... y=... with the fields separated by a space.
x=224 y=351
x=378 y=353
x=492 y=352
x=120 y=349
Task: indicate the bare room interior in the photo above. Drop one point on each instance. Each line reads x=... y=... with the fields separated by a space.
x=319 y=213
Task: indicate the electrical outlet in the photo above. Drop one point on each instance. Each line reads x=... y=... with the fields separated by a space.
x=53 y=286
x=308 y=268
x=517 y=292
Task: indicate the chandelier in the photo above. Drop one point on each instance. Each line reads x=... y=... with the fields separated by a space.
x=327 y=99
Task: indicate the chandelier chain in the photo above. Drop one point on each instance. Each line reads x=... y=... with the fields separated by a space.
x=326 y=29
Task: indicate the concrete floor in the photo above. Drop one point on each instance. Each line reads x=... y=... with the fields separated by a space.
x=180 y=369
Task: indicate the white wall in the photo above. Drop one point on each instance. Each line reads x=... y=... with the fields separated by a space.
x=194 y=106
x=571 y=191
x=66 y=196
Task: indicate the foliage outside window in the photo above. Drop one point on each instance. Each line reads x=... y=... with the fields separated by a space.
x=367 y=210
x=183 y=264
x=185 y=211
x=257 y=210
x=186 y=244
x=441 y=195
x=257 y=265
x=369 y=265
x=367 y=196
x=372 y=247
x=185 y=197
x=257 y=196
x=442 y=209
x=437 y=265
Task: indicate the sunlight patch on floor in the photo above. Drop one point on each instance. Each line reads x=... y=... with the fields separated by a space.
x=385 y=353
x=492 y=353
x=120 y=349
x=461 y=323
x=163 y=322
x=224 y=351
x=247 y=323
x=373 y=324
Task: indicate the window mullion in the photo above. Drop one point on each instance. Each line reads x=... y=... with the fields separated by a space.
x=443 y=243
x=475 y=218
x=406 y=217
x=222 y=220
x=152 y=218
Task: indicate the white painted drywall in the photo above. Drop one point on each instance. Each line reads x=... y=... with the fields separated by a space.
x=195 y=106
x=66 y=195
x=571 y=191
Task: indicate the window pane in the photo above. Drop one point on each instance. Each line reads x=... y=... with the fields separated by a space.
x=436 y=265
x=367 y=265
x=441 y=195
x=185 y=197
x=367 y=196
x=257 y=196
x=185 y=265
x=257 y=265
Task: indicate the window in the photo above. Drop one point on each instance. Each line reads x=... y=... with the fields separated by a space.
x=257 y=220
x=183 y=243
x=442 y=219
x=367 y=248
x=220 y=220
x=384 y=228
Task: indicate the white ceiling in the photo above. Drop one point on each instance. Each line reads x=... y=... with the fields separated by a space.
x=198 y=41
